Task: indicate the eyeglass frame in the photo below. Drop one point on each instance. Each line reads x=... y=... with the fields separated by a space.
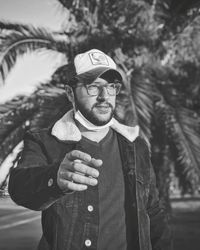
x=100 y=87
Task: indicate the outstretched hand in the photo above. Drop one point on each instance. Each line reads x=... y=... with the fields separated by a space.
x=77 y=171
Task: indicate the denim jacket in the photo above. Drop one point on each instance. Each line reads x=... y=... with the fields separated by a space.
x=70 y=221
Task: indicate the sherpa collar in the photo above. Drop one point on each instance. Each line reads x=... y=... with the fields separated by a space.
x=65 y=129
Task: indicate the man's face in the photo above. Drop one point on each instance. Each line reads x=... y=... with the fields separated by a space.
x=96 y=109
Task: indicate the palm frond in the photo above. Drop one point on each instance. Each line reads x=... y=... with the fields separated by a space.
x=13 y=113
x=40 y=110
x=142 y=90
x=137 y=97
x=5 y=26
x=53 y=103
x=14 y=118
x=28 y=39
x=191 y=139
x=9 y=143
x=181 y=130
x=67 y=4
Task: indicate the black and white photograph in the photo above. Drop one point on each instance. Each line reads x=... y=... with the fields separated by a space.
x=99 y=125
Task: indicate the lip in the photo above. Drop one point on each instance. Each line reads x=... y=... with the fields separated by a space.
x=103 y=108
x=104 y=105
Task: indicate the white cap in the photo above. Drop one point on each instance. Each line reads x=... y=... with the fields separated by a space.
x=93 y=63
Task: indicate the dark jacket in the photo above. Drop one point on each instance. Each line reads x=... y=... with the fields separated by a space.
x=66 y=221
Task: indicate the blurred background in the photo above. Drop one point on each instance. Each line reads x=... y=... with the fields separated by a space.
x=155 y=44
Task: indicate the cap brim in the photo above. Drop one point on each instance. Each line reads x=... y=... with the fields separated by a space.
x=90 y=76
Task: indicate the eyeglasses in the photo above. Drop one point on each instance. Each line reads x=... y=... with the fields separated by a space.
x=94 y=89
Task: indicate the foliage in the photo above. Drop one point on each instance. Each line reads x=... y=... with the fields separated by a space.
x=155 y=44
x=37 y=111
x=22 y=39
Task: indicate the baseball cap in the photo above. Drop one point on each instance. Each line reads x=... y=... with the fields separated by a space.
x=90 y=65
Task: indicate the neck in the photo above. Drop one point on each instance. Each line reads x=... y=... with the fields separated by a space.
x=87 y=124
x=89 y=130
x=93 y=135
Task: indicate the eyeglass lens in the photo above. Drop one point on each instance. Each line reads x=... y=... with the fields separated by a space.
x=112 y=89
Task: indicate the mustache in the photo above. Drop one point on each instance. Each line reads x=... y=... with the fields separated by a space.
x=104 y=104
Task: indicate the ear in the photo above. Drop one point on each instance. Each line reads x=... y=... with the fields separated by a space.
x=69 y=93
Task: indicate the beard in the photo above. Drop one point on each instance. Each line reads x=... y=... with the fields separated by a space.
x=99 y=114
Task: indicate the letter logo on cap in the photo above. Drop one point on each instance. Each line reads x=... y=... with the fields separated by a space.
x=98 y=58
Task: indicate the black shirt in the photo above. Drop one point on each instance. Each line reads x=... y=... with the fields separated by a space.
x=112 y=226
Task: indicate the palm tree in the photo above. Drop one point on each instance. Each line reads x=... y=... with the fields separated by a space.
x=144 y=37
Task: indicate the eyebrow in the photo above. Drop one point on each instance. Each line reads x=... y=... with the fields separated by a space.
x=113 y=81
x=101 y=82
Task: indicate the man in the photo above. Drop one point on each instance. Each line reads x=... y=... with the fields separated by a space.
x=90 y=175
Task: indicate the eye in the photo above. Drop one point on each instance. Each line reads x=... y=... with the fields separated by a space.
x=111 y=85
x=92 y=86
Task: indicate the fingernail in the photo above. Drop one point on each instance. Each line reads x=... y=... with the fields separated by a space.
x=96 y=174
x=94 y=182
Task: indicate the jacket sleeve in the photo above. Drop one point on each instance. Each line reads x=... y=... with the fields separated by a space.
x=159 y=226
x=33 y=183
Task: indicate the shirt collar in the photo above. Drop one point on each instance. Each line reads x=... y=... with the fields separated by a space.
x=65 y=129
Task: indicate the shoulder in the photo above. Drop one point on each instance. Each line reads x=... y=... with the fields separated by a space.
x=37 y=134
x=40 y=136
x=139 y=141
x=143 y=143
x=42 y=140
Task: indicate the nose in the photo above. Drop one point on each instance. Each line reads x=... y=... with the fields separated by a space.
x=103 y=94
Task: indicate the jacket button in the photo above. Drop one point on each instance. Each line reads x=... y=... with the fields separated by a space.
x=50 y=182
x=88 y=243
x=90 y=208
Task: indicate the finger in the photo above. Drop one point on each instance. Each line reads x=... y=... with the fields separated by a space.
x=77 y=187
x=96 y=162
x=85 y=169
x=79 y=178
x=67 y=185
x=66 y=165
x=76 y=154
x=82 y=179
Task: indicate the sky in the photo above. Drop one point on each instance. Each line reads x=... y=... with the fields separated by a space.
x=38 y=12
x=31 y=69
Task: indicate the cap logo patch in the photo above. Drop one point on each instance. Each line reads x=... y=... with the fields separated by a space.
x=98 y=58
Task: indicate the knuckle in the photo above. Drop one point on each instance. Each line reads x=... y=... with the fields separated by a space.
x=60 y=174
x=76 y=165
x=73 y=153
x=80 y=167
x=73 y=176
x=73 y=165
x=83 y=169
x=80 y=178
